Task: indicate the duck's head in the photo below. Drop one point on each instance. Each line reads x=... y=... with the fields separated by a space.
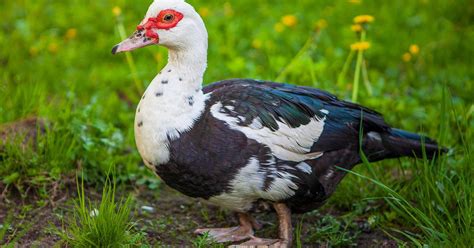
x=170 y=23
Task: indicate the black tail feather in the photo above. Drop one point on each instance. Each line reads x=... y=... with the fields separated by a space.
x=400 y=143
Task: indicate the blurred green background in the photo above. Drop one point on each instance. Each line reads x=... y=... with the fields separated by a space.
x=56 y=63
x=61 y=47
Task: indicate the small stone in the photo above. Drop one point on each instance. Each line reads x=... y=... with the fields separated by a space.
x=148 y=209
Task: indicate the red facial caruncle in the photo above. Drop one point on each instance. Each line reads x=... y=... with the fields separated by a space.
x=166 y=20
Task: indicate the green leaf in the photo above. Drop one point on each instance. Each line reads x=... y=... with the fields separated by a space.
x=11 y=178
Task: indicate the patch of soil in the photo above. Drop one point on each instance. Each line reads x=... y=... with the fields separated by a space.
x=32 y=218
x=167 y=217
x=26 y=131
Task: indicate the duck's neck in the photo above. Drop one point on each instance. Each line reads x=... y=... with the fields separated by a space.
x=172 y=103
x=183 y=75
x=188 y=64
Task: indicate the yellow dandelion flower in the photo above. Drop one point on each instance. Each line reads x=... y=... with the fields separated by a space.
x=414 y=49
x=357 y=28
x=355 y=1
x=321 y=24
x=360 y=46
x=53 y=47
x=406 y=57
x=116 y=11
x=71 y=34
x=204 y=12
x=362 y=19
x=257 y=44
x=279 y=27
x=289 y=20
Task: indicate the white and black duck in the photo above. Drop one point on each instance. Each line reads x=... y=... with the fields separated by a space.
x=243 y=144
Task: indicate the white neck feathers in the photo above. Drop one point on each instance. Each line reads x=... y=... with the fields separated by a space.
x=172 y=103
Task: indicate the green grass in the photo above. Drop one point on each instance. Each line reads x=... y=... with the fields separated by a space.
x=55 y=63
x=7 y=225
x=204 y=241
x=331 y=231
x=107 y=224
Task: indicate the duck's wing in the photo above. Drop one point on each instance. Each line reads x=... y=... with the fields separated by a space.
x=296 y=123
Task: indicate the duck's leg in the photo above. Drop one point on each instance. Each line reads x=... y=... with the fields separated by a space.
x=232 y=234
x=285 y=230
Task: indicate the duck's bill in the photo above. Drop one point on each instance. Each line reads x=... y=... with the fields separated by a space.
x=137 y=40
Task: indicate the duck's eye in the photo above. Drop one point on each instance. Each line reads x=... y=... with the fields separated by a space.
x=168 y=18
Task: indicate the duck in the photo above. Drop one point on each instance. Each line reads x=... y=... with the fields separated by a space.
x=249 y=145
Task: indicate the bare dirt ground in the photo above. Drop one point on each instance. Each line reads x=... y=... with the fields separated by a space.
x=168 y=219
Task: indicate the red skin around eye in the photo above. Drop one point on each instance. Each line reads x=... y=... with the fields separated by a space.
x=159 y=23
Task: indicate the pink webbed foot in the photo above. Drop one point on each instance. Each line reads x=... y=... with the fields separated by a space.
x=232 y=234
x=285 y=231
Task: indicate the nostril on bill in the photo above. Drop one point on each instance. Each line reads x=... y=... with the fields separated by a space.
x=114 y=50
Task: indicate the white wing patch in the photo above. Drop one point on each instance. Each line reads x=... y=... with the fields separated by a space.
x=286 y=143
x=248 y=186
